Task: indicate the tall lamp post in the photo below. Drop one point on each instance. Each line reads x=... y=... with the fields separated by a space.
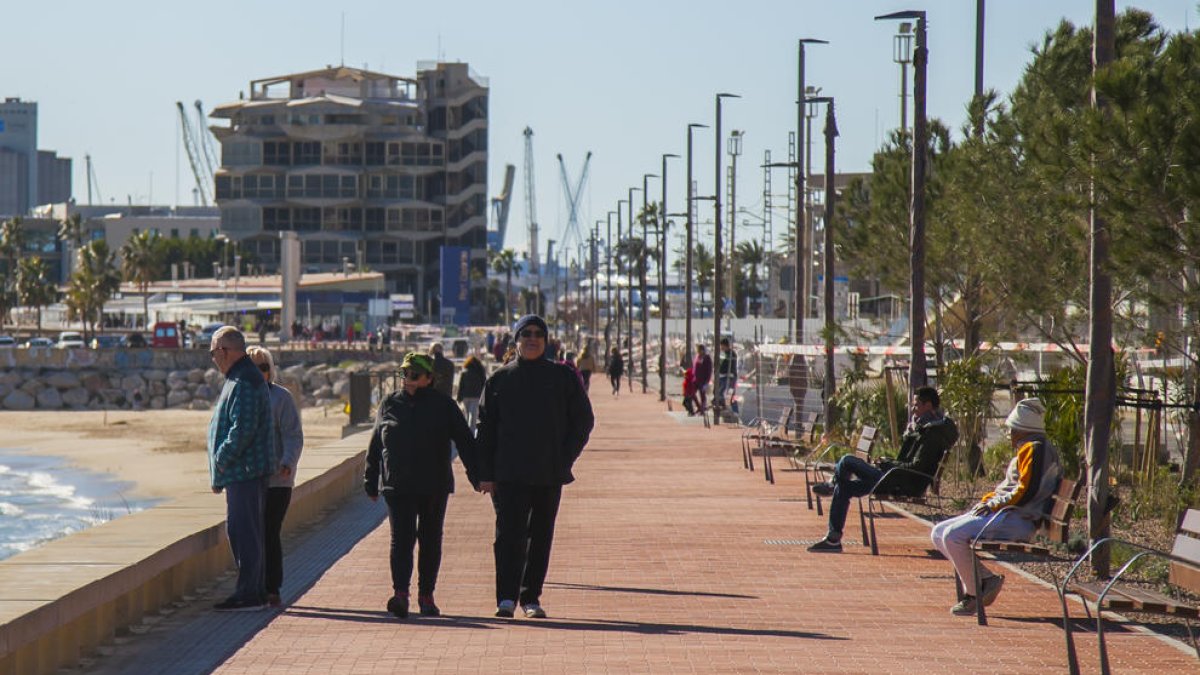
x=831 y=133
x=918 y=375
x=691 y=228
x=629 y=284
x=734 y=149
x=902 y=55
x=662 y=285
x=801 y=300
x=618 y=257
x=718 y=262
x=608 y=311
x=809 y=247
x=642 y=274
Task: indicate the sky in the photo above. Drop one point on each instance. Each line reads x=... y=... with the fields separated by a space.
x=620 y=79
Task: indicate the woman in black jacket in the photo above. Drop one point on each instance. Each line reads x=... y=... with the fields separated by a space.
x=408 y=460
x=470 y=388
x=616 y=368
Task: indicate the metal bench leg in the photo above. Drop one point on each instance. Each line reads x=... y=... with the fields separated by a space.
x=768 y=467
x=808 y=490
x=980 y=614
x=871 y=517
x=1104 y=667
x=958 y=593
x=1072 y=656
x=820 y=512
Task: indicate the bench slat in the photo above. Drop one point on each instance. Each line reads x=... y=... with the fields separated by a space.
x=1187 y=548
x=1191 y=522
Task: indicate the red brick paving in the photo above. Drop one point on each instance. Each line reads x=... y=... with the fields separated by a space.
x=660 y=566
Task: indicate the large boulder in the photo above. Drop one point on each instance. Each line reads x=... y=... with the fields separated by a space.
x=214 y=378
x=341 y=388
x=158 y=388
x=49 y=399
x=158 y=403
x=325 y=393
x=113 y=397
x=76 y=398
x=155 y=375
x=205 y=392
x=32 y=386
x=18 y=400
x=4 y=390
x=133 y=383
x=62 y=379
x=10 y=378
x=177 y=379
x=196 y=375
x=95 y=382
x=178 y=397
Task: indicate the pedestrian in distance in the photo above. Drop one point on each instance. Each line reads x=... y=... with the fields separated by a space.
x=443 y=369
x=408 y=461
x=726 y=374
x=1011 y=511
x=534 y=422
x=288 y=441
x=702 y=370
x=616 y=368
x=241 y=460
x=689 y=392
x=470 y=388
x=585 y=363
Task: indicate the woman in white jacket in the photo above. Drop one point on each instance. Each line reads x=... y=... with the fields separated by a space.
x=289 y=441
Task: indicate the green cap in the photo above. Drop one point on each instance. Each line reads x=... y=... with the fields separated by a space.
x=419 y=361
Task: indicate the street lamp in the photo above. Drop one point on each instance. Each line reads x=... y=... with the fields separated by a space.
x=618 y=257
x=629 y=284
x=608 y=288
x=831 y=133
x=718 y=301
x=801 y=300
x=902 y=55
x=809 y=245
x=734 y=149
x=662 y=285
x=918 y=376
x=691 y=227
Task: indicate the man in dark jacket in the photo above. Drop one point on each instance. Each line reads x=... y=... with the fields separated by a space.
x=533 y=424
x=726 y=374
x=408 y=460
x=702 y=368
x=443 y=370
x=929 y=435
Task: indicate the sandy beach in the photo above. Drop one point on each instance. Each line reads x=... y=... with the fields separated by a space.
x=162 y=452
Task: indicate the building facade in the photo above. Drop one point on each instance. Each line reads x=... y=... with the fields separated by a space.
x=18 y=156
x=374 y=170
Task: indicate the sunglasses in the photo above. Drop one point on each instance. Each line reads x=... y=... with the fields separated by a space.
x=530 y=334
x=213 y=352
x=413 y=374
x=265 y=367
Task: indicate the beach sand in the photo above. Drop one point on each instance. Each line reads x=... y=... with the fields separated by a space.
x=162 y=452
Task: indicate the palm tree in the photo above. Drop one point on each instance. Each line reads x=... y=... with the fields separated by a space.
x=505 y=262
x=704 y=265
x=92 y=284
x=8 y=299
x=70 y=233
x=12 y=240
x=33 y=288
x=141 y=263
x=751 y=254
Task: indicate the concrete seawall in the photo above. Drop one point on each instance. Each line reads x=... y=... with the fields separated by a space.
x=71 y=595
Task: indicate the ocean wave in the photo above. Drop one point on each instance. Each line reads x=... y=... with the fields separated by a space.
x=44 y=483
x=10 y=509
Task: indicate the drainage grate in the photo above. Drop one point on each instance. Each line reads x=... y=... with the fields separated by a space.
x=803 y=542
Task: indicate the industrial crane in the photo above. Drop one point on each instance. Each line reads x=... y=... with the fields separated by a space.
x=211 y=158
x=531 y=204
x=195 y=156
x=572 y=237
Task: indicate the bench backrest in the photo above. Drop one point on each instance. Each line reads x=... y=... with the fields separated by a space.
x=1187 y=548
x=807 y=430
x=1057 y=525
x=865 y=443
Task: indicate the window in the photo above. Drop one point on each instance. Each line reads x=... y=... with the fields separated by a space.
x=277 y=153
x=306 y=153
x=374 y=219
x=241 y=153
x=376 y=153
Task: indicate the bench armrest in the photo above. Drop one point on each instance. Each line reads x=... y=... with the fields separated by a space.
x=893 y=470
x=1143 y=551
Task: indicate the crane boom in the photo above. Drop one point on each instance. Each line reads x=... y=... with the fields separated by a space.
x=501 y=203
x=531 y=203
x=572 y=236
x=205 y=142
x=193 y=153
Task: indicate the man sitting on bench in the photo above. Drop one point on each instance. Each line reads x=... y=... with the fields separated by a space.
x=1029 y=483
x=929 y=435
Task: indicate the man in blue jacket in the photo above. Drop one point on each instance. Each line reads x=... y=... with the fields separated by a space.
x=241 y=460
x=534 y=421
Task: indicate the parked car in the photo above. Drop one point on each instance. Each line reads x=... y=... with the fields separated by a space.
x=133 y=341
x=166 y=335
x=7 y=342
x=203 y=339
x=38 y=342
x=70 y=339
x=107 y=341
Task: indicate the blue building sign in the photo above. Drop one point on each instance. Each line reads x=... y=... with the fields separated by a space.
x=456 y=285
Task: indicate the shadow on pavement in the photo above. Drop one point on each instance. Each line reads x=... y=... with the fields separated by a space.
x=649 y=591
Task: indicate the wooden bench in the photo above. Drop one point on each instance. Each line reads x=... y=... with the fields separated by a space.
x=1054 y=529
x=818 y=464
x=759 y=432
x=1112 y=595
x=875 y=497
x=804 y=441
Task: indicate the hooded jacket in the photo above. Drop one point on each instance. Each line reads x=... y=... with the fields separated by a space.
x=921 y=449
x=409 y=451
x=534 y=420
x=241 y=431
x=1030 y=480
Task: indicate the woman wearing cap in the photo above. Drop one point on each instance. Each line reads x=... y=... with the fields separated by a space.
x=408 y=460
x=1013 y=507
x=288 y=441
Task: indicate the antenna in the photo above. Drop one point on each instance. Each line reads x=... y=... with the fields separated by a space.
x=342 y=54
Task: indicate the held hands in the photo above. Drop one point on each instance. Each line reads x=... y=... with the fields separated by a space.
x=487 y=487
x=981 y=509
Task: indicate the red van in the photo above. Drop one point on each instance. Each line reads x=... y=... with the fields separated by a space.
x=166 y=334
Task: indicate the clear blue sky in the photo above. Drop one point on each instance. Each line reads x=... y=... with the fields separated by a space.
x=619 y=78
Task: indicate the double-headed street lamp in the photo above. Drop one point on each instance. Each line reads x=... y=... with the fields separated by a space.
x=718 y=258
x=828 y=267
x=662 y=285
x=618 y=257
x=642 y=273
x=802 y=215
x=917 y=374
x=608 y=311
x=691 y=227
x=629 y=284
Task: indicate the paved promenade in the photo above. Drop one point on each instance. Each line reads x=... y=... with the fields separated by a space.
x=669 y=558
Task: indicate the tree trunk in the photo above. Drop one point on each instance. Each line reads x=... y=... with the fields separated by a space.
x=1191 y=460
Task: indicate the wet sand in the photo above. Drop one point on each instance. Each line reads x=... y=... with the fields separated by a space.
x=162 y=452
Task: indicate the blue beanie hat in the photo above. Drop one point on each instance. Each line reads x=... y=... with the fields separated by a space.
x=530 y=320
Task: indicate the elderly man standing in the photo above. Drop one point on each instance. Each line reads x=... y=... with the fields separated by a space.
x=534 y=421
x=241 y=460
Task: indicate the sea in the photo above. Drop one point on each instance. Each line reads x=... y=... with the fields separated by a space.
x=45 y=498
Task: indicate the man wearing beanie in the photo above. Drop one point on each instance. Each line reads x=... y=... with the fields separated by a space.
x=1012 y=508
x=534 y=420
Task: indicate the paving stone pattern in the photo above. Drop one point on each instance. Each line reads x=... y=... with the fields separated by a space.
x=670 y=558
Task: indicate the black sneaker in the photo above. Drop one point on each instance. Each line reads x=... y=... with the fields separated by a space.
x=533 y=611
x=398 y=606
x=238 y=605
x=823 y=489
x=506 y=609
x=428 y=608
x=826 y=546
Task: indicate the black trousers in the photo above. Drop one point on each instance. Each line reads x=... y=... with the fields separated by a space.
x=278 y=499
x=524 y=532
x=416 y=518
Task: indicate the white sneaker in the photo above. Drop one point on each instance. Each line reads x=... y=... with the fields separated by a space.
x=533 y=611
